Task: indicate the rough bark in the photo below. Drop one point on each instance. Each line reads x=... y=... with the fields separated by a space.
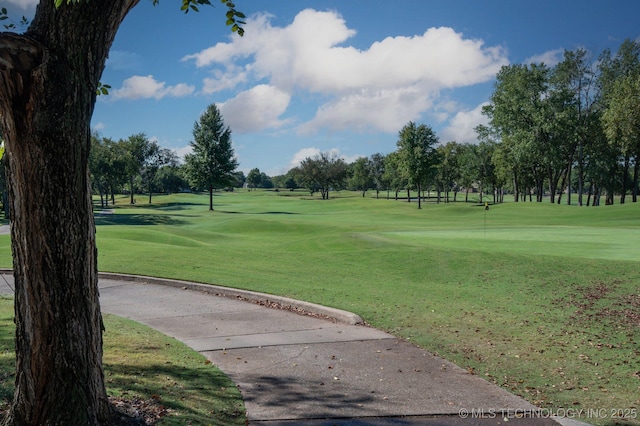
x=48 y=78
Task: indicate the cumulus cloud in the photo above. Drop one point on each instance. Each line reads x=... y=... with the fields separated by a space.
x=311 y=152
x=378 y=88
x=182 y=151
x=256 y=109
x=462 y=124
x=549 y=58
x=146 y=87
x=302 y=155
x=222 y=81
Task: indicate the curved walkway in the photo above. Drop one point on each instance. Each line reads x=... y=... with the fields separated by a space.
x=307 y=369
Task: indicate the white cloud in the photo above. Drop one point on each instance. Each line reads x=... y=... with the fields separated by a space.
x=379 y=88
x=99 y=126
x=182 y=151
x=256 y=109
x=146 y=87
x=369 y=110
x=311 y=152
x=549 y=58
x=222 y=81
x=302 y=155
x=461 y=126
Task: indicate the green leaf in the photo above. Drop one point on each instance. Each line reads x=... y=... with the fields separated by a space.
x=102 y=89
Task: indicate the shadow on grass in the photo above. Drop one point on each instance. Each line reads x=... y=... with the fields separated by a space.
x=144 y=205
x=232 y=212
x=182 y=390
x=136 y=219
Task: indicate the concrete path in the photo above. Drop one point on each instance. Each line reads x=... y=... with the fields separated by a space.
x=305 y=370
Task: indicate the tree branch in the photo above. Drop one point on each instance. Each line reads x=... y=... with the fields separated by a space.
x=19 y=53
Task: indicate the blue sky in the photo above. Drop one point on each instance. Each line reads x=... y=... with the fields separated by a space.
x=325 y=75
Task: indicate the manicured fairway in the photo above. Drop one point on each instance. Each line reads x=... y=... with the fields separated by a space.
x=567 y=241
x=541 y=299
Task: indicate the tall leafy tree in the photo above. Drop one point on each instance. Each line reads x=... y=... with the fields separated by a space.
x=417 y=154
x=212 y=163
x=530 y=118
x=48 y=81
x=576 y=77
x=377 y=172
x=139 y=152
x=621 y=122
x=361 y=178
x=448 y=169
x=254 y=178
x=322 y=172
x=158 y=158
x=468 y=167
x=108 y=167
x=618 y=74
x=171 y=178
x=393 y=176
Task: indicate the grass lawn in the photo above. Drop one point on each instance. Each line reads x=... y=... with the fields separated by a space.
x=146 y=366
x=541 y=299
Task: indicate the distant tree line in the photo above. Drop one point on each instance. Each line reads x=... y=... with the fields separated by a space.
x=138 y=165
x=569 y=129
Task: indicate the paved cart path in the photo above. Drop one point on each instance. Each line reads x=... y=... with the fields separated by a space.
x=296 y=369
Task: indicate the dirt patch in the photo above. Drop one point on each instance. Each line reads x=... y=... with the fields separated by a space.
x=137 y=412
x=601 y=303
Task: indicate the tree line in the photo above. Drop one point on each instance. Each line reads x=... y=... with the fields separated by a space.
x=569 y=129
x=138 y=165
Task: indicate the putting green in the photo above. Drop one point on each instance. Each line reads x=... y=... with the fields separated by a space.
x=567 y=241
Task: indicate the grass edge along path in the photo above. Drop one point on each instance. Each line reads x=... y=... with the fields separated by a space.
x=170 y=382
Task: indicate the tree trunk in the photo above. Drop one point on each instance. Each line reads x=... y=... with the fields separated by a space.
x=48 y=79
x=580 y=174
x=636 y=173
x=210 y=197
x=516 y=187
x=625 y=175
